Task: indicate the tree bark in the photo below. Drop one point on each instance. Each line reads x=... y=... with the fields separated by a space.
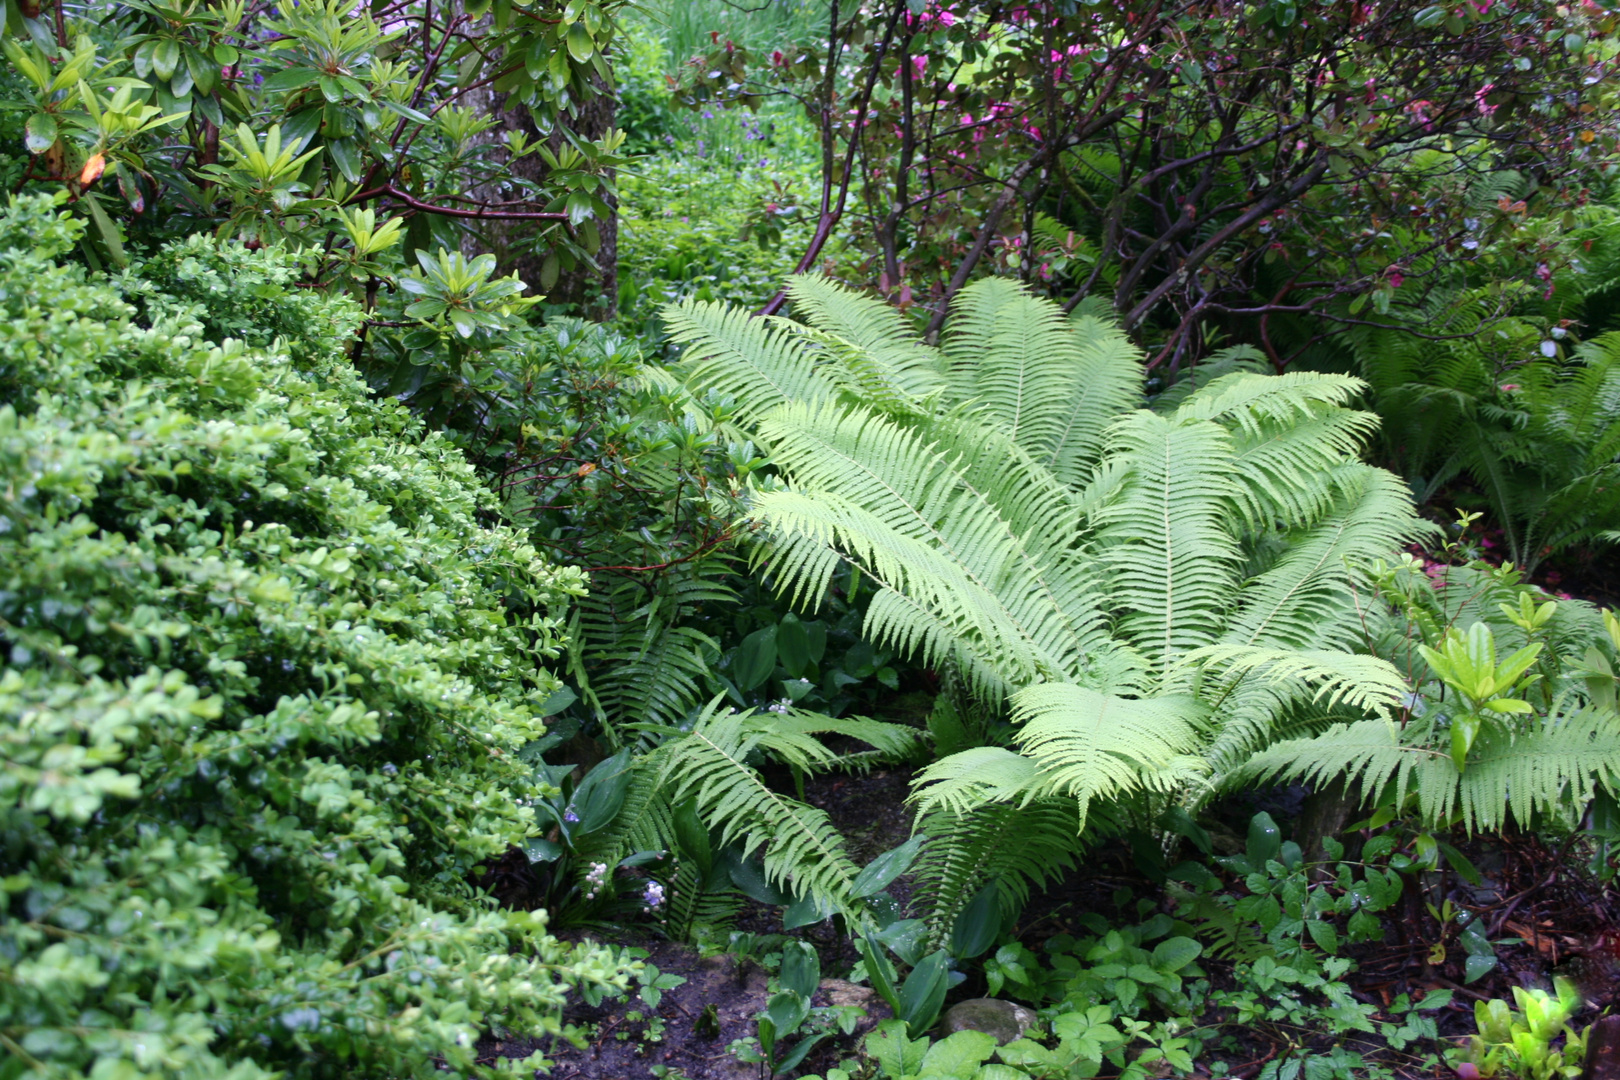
x=593 y=290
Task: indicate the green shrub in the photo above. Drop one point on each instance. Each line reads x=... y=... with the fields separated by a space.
x=266 y=673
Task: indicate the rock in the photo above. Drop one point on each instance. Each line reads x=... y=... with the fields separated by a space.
x=1003 y=1019
x=841 y=993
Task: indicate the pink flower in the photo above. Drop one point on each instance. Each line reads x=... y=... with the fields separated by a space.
x=921 y=22
x=1396 y=278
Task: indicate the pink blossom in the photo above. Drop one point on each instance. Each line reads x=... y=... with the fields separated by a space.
x=1419 y=111
x=922 y=22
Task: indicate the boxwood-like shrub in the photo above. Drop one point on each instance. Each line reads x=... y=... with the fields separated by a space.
x=266 y=667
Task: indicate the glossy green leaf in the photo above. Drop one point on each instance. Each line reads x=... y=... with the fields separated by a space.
x=877 y=874
x=793 y=645
x=755 y=659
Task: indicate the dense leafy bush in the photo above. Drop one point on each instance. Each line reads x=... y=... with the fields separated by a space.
x=266 y=675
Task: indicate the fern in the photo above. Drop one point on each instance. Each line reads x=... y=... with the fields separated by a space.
x=1149 y=596
x=1538 y=438
x=1165 y=536
x=803 y=853
x=1549 y=770
x=1018 y=846
x=633 y=654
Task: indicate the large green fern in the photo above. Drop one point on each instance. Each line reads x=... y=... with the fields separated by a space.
x=1152 y=596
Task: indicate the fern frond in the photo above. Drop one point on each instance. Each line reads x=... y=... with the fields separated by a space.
x=1291 y=474
x=876 y=333
x=1359 y=681
x=1095 y=307
x=1107 y=384
x=905 y=512
x=1018 y=846
x=1245 y=402
x=633 y=656
x=974 y=777
x=1223 y=362
x=889 y=742
x=1089 y=746
x=643 y=823
x=692 y=903
x=758 y=364
x=1307 y=599
x=1027 y=373
x=1553 y=768
x=1225 y=936
x=1165 y=537
x=803 y=852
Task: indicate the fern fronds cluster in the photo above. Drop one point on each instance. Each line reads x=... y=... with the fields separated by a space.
x=714 y=764
x=1488 y=398
x=1150 y=595
x=1543 y=761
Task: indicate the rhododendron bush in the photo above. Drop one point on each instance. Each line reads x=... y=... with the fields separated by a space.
x=1198 y=167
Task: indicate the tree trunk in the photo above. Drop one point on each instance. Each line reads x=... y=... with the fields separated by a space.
x=593 y=291
x=1327 y=811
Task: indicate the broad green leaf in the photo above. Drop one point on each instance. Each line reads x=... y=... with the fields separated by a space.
x=580 y=43
x=877 y=874
x=801 y=969
x=755 y=659
x=793 y=645
x=39 y=133
x=1173 y=954
x=979 y=924
x=924 y=992
x=293 y=78
x=958 y=1055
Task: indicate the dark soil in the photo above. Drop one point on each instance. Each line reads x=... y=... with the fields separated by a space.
x=628 y=1040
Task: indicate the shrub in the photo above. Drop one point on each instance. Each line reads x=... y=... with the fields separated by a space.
x=265 y=679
